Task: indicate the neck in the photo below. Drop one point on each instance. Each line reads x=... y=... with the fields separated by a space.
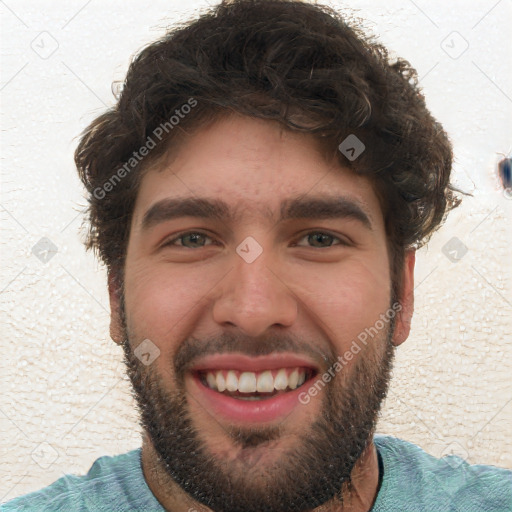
x=358 y=497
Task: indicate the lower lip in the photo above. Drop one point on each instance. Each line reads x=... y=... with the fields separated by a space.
x=247 y=411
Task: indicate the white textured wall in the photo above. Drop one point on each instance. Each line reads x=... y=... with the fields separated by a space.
x=64 y=399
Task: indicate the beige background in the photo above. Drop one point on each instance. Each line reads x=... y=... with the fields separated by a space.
x=65 y=400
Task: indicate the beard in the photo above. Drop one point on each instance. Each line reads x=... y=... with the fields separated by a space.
x=310 y=474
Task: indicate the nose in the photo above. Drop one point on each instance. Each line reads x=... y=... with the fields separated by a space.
x=254 y=296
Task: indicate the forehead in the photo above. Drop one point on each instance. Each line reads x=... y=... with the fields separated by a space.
x=256 y=169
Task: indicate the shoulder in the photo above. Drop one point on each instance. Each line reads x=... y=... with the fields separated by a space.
x=111 y=482
x=414 y=480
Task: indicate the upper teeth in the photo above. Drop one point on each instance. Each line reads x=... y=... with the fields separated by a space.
x=249 y=382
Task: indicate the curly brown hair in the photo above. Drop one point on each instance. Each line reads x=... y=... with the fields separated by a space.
x=293 y=62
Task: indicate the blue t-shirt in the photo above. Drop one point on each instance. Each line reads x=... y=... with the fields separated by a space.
x=413 y=481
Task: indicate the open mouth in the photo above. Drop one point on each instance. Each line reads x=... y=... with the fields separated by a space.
x=251 y=390
x=260 y=385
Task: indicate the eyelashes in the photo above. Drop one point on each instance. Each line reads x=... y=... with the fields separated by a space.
x=197 y=236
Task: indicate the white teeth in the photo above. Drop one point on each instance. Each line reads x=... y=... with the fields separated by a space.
x=221 y=383
x=293 y=379
x=281 y=380
x=231 y=381
x=265 y=382
x=250 y=382
x=247 y=382
x=212 y=381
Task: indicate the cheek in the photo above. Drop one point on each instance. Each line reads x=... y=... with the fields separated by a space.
x=346 y=299
x=160 y=300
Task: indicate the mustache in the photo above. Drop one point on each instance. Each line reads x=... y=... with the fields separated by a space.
x=193 y=348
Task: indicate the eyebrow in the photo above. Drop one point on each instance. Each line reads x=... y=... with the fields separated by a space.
x=298 y=208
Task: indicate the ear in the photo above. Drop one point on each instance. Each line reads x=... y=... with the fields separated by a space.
x=406 y=299
x=114 y=291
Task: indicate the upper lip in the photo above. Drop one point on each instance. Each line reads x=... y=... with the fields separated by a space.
x=242 y=362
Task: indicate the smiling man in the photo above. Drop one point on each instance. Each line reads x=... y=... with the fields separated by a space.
x=241 y=336
x=257 y=195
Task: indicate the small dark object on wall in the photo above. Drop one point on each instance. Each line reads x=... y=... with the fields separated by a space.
x=505 y=173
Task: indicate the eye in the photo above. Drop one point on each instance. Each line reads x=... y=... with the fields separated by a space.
x=194 y=238
x=319 y=239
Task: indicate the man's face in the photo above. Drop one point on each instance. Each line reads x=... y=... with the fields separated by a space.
x=256 y=301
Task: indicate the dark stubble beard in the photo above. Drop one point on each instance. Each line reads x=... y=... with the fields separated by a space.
x=305 y=477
